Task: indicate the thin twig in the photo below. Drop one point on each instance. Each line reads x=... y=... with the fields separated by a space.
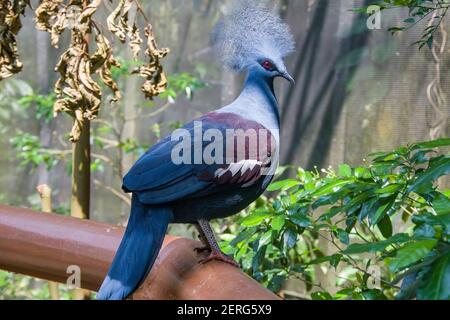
x=151 y=114
x=138 y=5
x=355 y=263
x=117 y=193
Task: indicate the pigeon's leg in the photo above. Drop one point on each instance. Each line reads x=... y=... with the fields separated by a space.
x=208 y=234
x=202 y=238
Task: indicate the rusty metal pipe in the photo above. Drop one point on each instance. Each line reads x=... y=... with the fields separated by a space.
x=44 y=245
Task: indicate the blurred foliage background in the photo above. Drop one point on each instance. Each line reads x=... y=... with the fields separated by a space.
x=357 y=91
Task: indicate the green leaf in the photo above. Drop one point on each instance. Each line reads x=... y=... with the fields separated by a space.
x=277 y=205
x=330 y=213
x=320 y=260
x=411 y=253
x=442 y=220
x=332 y=186
x=321 y=296
x=441 y=204
x=366 y=209
x=276 y=283
x=396 y=29
x=436 y=281
x=243 y=236
x=424 y=231
x=289 y=238
x=392 y=188
x=282 y=185
x=363 y=247
x=335 y=259
x=385 y=226
x=357 y=201
x=342 y=236
x=421 y=156
x=350 y=223
x=382 y=157
x=255 y=218
x=362 y=173
x=381 y=154
x=265 y=239
x=376 y=216
x=326 y=200
x=373 y=294
x=278 y=223
x=376 y=246
x=432 y=144
x=345 y=171
x=301 y=220
x=344 y=293
x=437 y=168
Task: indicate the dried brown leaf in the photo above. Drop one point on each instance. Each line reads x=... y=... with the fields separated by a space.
x=102 y=62
x=135 y=41
x=118 y=20
x=119 y=25
x=153 y=73
x=46 y=12
x=77 y=92
x=10 y=24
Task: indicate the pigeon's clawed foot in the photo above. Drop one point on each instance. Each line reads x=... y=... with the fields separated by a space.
x=219 y=256
x=206 y=235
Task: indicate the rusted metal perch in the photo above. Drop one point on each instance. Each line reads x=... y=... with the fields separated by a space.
x=44 y=245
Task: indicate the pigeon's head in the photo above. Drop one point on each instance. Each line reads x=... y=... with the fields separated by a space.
x=252 y=37
x=272 y=68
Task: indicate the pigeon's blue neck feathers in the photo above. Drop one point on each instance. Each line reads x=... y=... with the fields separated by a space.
x=257 y=102
x=257 y=82
x=258 y=87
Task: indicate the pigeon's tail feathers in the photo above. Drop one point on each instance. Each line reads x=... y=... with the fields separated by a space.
x=251 y=31
x=137 y=252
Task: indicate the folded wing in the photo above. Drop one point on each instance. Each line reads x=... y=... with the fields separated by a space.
x=157 y=179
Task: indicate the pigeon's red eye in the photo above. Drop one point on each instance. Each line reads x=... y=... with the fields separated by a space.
x=267 y=65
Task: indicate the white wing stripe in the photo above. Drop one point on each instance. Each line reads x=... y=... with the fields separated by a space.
x=242 y=166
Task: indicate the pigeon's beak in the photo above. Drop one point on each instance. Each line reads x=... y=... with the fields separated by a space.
x=288 y=77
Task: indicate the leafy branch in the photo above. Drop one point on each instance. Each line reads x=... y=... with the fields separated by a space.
x=353 y=209
x=419 y=10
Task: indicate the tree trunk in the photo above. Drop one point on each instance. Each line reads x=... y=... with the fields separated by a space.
x=81 y=184
x=81 y=178
x=81 y=174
